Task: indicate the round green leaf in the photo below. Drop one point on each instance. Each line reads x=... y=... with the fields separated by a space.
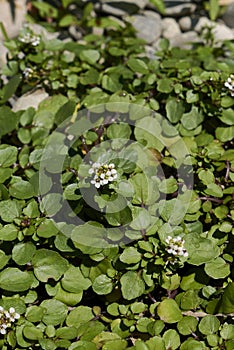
x=227 y=300
x=138 y=65
x=130 y=255
x=8 y=232
x=200 y=250
x=34 y=313
x=8 y=155
x=48 y=264
x=174 y=109
x=209 y=324
x=187 y=325
x=190 y=300
x=66 y=332
x=14 y=280
x=9 y=210
x=90 y=56
x=227 y=331
x=79 y=315
x=74 y=281
x=225 y=134
x=55 y=312
x=192 y=344
x=32 y=332
x=171 y=339
x=22 y=253
x=21 y=190
x=102 y=285
x=47 y=229
x=217 y=268
x=8 y=120
x=169 y=312
x=3 y=259
x=192 y=119
x=128 y=280
x=214 y=190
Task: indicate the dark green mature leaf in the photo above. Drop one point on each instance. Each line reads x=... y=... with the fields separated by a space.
x=225 y=134
x=165 y=85
x=128 y=280
x=130 y=256
x=55 y=312
x=138 y=65
x=48 y=264
x=8 y=120
x=227 y=300
x=187 y=325
x=8 y=232
x=209 y=324
x=21 y=189
x=74 y=281
x=9 y=210
x=8 y=155
x=217 y=268
x=10 y=88
x=102 y=285
x=192 y=119
x=90 y=56
x=14 y=280
x=174 y=109
x=201 y=250
x=22 y=253
x=168 y=311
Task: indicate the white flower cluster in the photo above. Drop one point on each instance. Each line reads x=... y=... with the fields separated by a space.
x=176 y=246
x=7 y=318
x=30 y=38
x=103 y=174
x=28 y=73
x=229 y=83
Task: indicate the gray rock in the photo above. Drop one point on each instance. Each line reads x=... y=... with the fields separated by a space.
x=150 y=52
x=170 y=28
x=40 y=30
x=30 y=100
x=12 y=17
x=149 y=27
x=203 y=22
x=228 y=17
x=185 y=23
x=184 y=40
x=120 y=8
x=220 y=30
x=179 y=8
x=3 y=53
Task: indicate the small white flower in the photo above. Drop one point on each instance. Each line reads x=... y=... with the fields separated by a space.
x=2 y=330
x=229 y=83
x=103 y=174
x=28 y=73
x=176 y=246
x=30 y=38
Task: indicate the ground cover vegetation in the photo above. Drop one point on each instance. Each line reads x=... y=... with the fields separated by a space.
x=116 y=211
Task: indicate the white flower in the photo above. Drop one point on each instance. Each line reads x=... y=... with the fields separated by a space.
x=28 y=73
x=176 y=246
x=229 y=83
x=30 y=38
x=103 y=174
x=7 y=318
x=3 y=329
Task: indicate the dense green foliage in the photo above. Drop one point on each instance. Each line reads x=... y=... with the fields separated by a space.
x=145 y=260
